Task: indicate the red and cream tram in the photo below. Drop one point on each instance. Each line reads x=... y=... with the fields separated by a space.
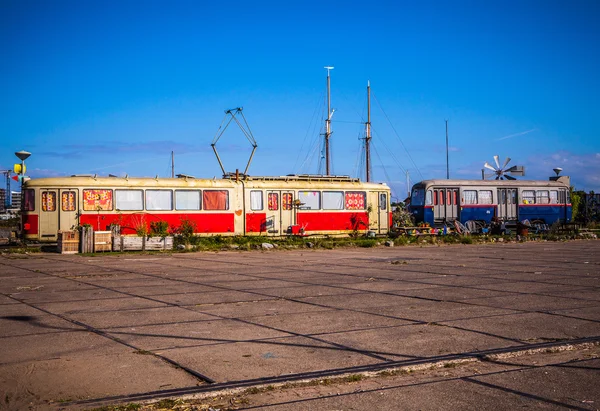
x=269 y=206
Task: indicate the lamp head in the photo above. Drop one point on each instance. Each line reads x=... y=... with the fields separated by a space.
x=23 y=155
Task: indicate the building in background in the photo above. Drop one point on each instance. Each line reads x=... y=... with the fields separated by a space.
x=3 y=204
x=15 y=200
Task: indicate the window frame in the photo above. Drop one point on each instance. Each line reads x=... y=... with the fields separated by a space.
x=254 y=195
x=302 y=195
x=176 y=204
x=96 y=192
x=149 y=203
x=119 y=191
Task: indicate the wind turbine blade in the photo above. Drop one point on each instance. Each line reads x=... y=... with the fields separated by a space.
x=509 y=177
x=486 y=165
x=489 y=175
x=506 y=162
x=496 y=158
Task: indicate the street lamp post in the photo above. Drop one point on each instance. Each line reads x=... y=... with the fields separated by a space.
x=22 y=155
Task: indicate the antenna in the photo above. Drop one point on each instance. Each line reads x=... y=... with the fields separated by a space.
x=447 y=164
x=368 y=135
x=328 y=121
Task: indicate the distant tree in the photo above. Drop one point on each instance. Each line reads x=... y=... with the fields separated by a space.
x=577 y=204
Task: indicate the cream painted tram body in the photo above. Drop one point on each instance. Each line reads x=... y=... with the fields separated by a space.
x=268 y=206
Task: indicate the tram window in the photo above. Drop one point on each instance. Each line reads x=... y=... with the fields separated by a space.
x=287 y=199
x=528 y=197
x=469 y=197
x=48 y=200
x=435 y=197
x=216 y=199
x=311 y=200
x=428 y=198
x=485 y=197
x=187 y=199
x=568 y=193
x=68 y=200
x=417 y=196
x=542 y=197
x=273 y=200
x=513 y=197
x=553 y=197
x=29 y=200
x=256 y=200
x=455 y=196
x=355 y=200
x=97 y=200
x=383 y=201
x=333 y=200
x=159 y=200
x=129 y=200
x=449 y=197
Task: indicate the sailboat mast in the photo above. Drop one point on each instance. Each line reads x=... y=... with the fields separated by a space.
x=368 y=134
x=328 y=123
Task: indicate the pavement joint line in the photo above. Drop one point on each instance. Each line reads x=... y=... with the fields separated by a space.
x=366 y=371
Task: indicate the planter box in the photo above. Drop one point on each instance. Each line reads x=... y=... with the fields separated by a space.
x=135 y=243
x=102 y=241
x=68 y=242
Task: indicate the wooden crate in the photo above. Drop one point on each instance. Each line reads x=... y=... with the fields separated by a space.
x=68 y=242
x=102 y=241
x=135 y=243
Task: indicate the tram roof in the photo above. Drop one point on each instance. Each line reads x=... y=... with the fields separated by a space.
x=561 y=182
x=302 y=181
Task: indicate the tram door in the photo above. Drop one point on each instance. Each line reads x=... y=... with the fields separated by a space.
x=445 y=204
x=382 y=223
x=507 y=204
x=280 y=212
x=67 y=209
x=48 y=214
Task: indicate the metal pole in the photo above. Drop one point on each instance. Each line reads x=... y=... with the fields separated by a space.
x=328 y=122
x=172 y=164
x=368 y=134
x=447 y=164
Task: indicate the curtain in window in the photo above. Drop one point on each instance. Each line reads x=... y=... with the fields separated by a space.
x=311 y=200
x=256 y=200
x=273 y=199
x=129 y=200
x=94 y=200
x=157 y=200
x=469 y=197
x=355 y=200
x=333 y=200
x=29 y=200
x=187 y=199
x=542 y=197
x=48 y=201
x=68 y=201
x=216 y=199
x=485 y=197
x=528 y=197
x=287 y=200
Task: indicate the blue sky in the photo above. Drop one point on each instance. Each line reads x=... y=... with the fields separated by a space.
x=115 y=86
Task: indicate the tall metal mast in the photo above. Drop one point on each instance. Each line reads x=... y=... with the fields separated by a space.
x=447 y=164
x=328 y=122
x=172 y=164
x=368 y=134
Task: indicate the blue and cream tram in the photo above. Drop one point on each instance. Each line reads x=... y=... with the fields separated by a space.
x=441 y=202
